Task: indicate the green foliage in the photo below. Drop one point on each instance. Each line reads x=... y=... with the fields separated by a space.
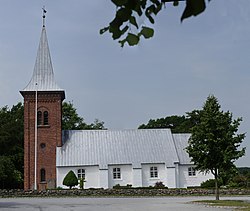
x=178 y=124
x=70 y=179
x=210 y=183
x=241 y=179
x=214 y=144
x=125 y=24
x=9 y=176
x=72 y=121
x=81 y=183
x=11 y=145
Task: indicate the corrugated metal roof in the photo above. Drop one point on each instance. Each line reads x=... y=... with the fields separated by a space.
x=104 y=147
x=181 y=142
x=43 y=74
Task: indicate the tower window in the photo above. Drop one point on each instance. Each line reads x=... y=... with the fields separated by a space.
x=45 y=118
x=39 y=118
x=43 y=175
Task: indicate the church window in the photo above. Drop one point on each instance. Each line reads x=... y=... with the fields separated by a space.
x=116 y=173
x=153 y=172
x=43 y=175
x=39 y=118
x=81 y=173
x=191 y=171
x=45 y=118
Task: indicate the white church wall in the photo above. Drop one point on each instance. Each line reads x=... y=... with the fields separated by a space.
x=126 y=175
x=191 y=181
x=147 y=180
x=92 y=175
x=171 y=178
x=137 y=177
x=104 y=182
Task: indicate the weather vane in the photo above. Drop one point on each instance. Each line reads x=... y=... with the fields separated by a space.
x=44 y=11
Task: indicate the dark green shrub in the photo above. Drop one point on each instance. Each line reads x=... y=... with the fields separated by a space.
x=159 y=185
x=70 y=180
x=117 y=186
x=210 y=183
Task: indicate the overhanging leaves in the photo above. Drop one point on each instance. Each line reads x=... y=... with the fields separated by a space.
x=128 y=12
x=147 y=32
x=193 y=8
x=132 y=39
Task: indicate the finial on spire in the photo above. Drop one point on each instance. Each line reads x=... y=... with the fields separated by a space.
x=44 y=11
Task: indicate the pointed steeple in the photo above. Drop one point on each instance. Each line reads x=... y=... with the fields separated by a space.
x=43 y=76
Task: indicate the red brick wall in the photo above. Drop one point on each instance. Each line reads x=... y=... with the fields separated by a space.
x=50 y=135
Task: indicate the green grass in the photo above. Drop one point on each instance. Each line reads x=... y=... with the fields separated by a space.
x=236 y=204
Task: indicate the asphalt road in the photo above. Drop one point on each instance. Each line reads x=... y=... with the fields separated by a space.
x=108 y=204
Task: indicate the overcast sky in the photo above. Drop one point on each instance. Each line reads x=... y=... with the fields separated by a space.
x=170 y=74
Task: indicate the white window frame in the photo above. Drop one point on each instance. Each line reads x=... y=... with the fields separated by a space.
x=191 y=172
x=81 y=173
x=117 y=173
x=153 y=172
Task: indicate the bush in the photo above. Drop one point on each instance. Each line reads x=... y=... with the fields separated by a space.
x=70 y=180
x=159 y=185
x=81 y=183
x=210 y=183
x=118 y=186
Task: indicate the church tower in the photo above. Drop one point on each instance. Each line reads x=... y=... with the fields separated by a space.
x=42 y=121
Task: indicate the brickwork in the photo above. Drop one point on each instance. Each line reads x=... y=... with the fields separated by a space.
x=48 y=138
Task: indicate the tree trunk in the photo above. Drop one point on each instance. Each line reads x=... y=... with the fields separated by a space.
x=216 y=186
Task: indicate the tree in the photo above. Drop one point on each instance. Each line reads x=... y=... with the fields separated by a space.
x=11 y=144
x=129 y=11
x=9 y=176
x=70 y=180
x=214 y=144
x=70 y=118
x=72 y=121
x=177 y=124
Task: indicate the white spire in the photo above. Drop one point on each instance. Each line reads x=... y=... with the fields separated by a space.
x=43 y=72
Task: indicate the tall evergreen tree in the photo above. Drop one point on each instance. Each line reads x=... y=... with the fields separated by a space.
x=214 y=143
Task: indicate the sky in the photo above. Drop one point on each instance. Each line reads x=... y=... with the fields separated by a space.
x=170 y=74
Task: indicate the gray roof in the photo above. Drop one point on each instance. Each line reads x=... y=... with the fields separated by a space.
x=181 y=142
x=105 y=147
x=43 y=74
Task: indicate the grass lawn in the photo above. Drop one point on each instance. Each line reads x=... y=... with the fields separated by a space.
x=237 y=204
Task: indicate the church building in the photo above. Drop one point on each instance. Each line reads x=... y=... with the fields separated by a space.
x=104 y=158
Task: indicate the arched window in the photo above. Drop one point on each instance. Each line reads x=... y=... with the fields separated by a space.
x=43 y=175
x=39 y=118
x=45 y=118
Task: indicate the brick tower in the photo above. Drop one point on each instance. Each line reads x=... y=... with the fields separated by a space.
x=42 y=121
